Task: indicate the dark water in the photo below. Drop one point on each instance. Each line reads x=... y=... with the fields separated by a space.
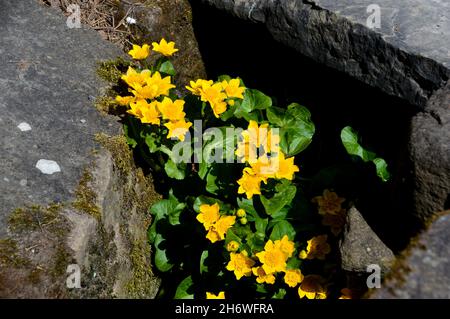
x=231 y=46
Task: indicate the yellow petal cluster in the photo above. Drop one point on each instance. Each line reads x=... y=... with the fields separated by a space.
x=216 y=225
x=164 y=47
x=275 y=255
x=329 y=202
x=293 y=277
x=317 y=248
x=219 y=95
x=240 y=264
x=139 y=52
x=220 y=295
x=312 y=287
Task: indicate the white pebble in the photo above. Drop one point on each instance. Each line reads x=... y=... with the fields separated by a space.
x=6 y=179
x=47 y=166
x=24 y=127
x=23 y=182
x=131 y=20
x=83 y=121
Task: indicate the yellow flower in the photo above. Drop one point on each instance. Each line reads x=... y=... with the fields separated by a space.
x=250 y=184
x=264 y=168
x=233 y=88
x=198 y=86
x=164 y=47
x=132 y=77
x=293 y=277
x=335 y=222
x=150 y=114
x=312 y=288
x=216 y=98
x=346 y=294
x=154 y=87
x=285 y=245
x=220 y=295
x=241 y=264
x=286 y=167
x=124 y=100
x=209 y=214
x=178 y=129
x=262 y=277
x=233 y=246
x=140 y=53
x=272 y=258
x=223 y=224
x=329 y=202
x=172 y=110
x=317 y=248
x=240 y=213
x=212 y=235
x=136 y=108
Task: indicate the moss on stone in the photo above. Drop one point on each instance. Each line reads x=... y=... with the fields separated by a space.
x=86 y=198
x=112 y=70
x=119 y=149
x=33 y=217
x=9 y=254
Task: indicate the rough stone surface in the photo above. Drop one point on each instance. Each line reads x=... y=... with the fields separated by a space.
x=172 y=20
x=422 y=271
x=94 y=212
x=361 y=247
x=408 y=57
x=430 y=155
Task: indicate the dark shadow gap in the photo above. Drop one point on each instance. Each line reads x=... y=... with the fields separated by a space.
x=238 y=48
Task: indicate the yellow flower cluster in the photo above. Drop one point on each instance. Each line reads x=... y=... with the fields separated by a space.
x=219 y=94
x=214 y=223
x=262 y=168
x=330 y=207
x=220 y=295
x=150 y=102
x=317 y=248
x=240 y=264
x=312 y=287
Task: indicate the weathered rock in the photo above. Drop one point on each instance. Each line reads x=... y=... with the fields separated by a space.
x=172 y=20
x=89 y=205
x=361 y=247
x=407 y=57
x=422 y=270
x=430 y=155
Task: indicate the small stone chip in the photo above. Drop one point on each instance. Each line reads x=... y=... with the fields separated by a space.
x=47 y=166
x=24 y=127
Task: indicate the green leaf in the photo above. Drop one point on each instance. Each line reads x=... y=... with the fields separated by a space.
x=296 y=127
x=279 y=294
x=167 y=208
x=161 y=260
x=203 y=267
x=151 y=141
x=282 y=228
x=167 y=68
x=255 y=100
x=201 y=200
x=285 y=193
x=203 y=168
x=350 y=140
x=185 y=289
x=176 y=171
x=131 y=141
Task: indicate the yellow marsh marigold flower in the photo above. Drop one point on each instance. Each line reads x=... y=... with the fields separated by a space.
x=140 y=53
x=209 y=214
x=286 y=167
x=312 y=287
x=272 y=258
x=150 y=114
x=133 y=77
x=346 y=294
x=172 y=110
x=223 y=224
x=136 y=108
x=329 y=202
x=198 y=86
x=249 y=184
x=178 y=129
x=215 y=97
x=164 y=47
x=154 y=87
x=335 y=222
x=285 y=245
x=233 y=88
x=233 y=246
x=262 y=277
x=293 y=277
x=240 y=264
x=124 y=100
x=220 y=295
x=317 y=248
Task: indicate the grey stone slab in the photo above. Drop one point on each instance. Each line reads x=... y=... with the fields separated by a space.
x=48 y=81
x=423 y=271
x=407 y=57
